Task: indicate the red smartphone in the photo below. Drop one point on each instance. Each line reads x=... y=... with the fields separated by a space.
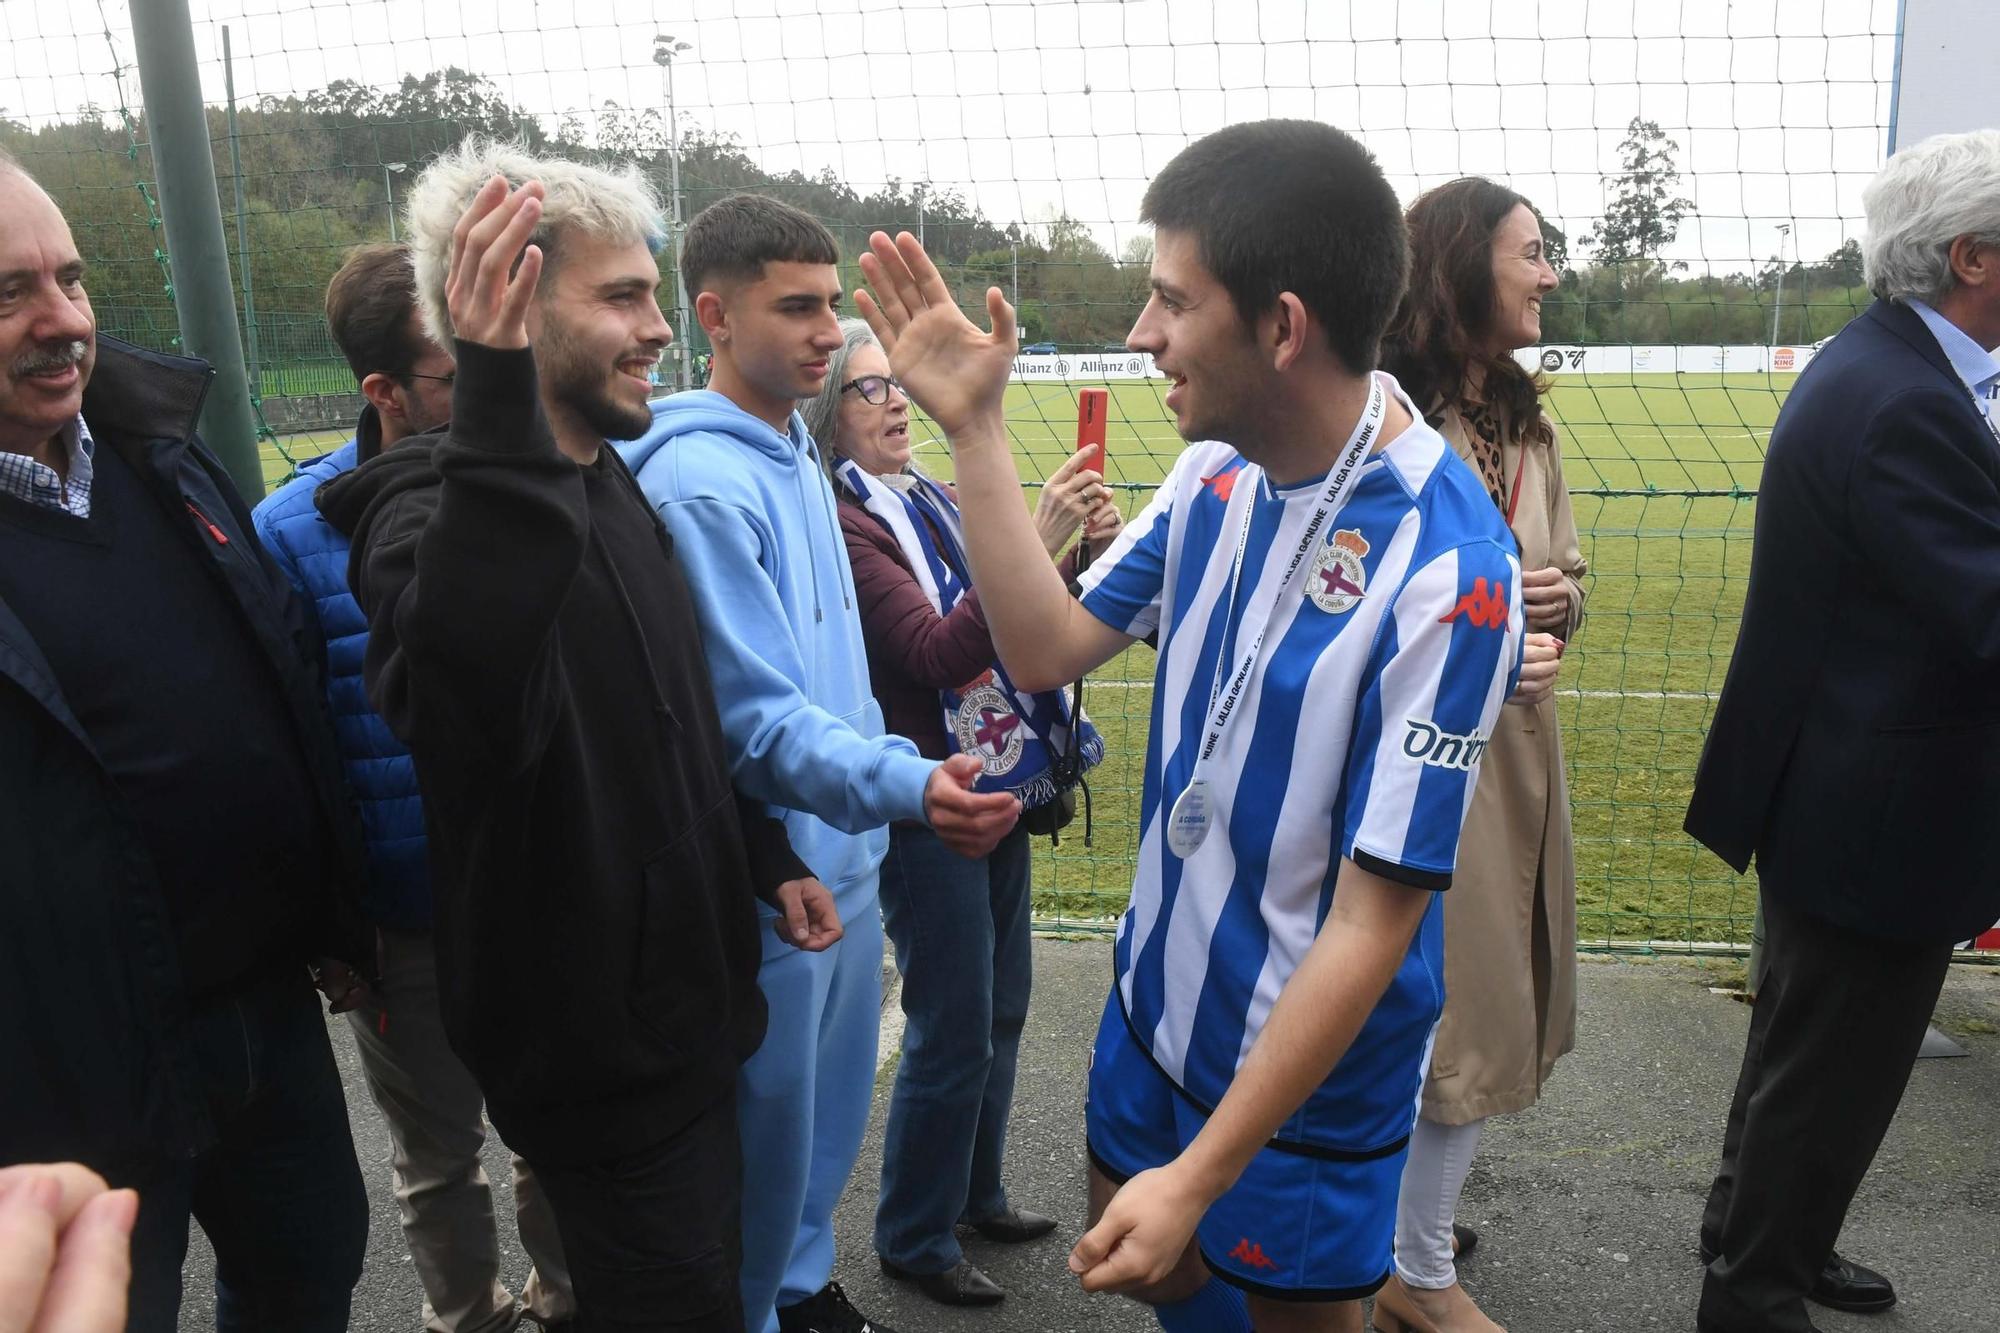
x=1092 y=406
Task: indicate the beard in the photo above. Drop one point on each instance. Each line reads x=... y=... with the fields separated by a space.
x=576 y=380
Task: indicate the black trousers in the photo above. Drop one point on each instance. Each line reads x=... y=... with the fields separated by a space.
x=1835 y=1031
x=654 y=1239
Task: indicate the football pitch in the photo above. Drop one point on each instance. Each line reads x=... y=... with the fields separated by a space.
x=1662 y=472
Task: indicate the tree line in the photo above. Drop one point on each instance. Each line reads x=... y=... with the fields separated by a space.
x=320 y=169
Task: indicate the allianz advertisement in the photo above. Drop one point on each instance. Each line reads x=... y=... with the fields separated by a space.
x=1104 y=365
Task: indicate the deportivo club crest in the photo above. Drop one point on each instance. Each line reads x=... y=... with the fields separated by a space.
x=990 y=730
x=1338 y=580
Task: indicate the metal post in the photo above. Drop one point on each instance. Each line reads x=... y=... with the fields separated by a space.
x=1017 y=274
x=197 y=250
x=252 y=378
x=1778 y=298
x=389 y=193
x=665 y=48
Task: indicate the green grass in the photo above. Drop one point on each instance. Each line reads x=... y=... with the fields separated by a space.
x=1662 y=473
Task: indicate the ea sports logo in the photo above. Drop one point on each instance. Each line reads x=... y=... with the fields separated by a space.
x=1552 y=360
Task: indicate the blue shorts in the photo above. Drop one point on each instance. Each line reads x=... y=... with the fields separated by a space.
x=1299 y=1224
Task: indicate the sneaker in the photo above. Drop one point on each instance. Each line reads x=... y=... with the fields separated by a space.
x=827 y=1311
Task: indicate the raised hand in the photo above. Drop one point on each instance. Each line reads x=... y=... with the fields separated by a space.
x=486 y=293
x=956 y=373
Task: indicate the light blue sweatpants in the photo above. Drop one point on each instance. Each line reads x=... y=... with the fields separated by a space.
x=803 y=1104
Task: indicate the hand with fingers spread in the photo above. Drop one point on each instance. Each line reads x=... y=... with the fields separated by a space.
x=956 y=373
x=807 y=918
x=1541 y=657
x=1072 y=496
x=65 y=1250
x=969 y=822
x=486 y=291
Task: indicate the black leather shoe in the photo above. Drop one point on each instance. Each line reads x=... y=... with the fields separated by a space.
x=827 y=1311
x=1014 y=1226
x=1846 y=1285
x=1464 y=1240
x=961 y=1284
x=1841 y=1285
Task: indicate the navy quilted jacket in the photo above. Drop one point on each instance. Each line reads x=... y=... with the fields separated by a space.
x=314 y=557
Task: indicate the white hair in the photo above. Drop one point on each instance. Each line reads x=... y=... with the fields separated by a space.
x=1927 y=196
x=620 y=205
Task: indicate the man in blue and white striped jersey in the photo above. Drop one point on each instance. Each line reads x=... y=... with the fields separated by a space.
x=1338 y=614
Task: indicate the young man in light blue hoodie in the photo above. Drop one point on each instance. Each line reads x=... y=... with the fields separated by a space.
x=739 y=483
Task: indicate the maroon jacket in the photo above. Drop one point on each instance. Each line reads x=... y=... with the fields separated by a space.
x=912 y=651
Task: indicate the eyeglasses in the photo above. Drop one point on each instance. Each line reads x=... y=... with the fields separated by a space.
x=445 y=380
x=874 y=388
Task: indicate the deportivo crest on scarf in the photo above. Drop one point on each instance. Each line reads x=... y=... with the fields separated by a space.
x=1016 y=737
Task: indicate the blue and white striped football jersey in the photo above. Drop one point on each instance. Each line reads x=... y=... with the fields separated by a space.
x=1359 y=735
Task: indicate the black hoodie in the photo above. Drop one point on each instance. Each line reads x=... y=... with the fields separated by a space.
x=533 y=641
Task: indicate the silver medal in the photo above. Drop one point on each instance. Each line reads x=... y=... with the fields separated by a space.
x=1188 y=822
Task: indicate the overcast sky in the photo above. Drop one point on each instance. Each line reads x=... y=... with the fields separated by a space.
x=1780 y=107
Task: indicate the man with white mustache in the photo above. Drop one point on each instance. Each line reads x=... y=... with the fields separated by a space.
x=176 y=842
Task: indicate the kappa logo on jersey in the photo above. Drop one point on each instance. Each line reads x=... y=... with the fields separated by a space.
x=1223 y=483
x=1433 y=745
x=1252 y=1255
x=1338 y=579
x=990 y=730
x=1484 y=606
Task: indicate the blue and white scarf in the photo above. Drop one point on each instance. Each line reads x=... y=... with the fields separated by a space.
x=1016 y=737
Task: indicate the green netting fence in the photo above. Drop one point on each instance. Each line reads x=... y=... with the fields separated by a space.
x=1698 y=172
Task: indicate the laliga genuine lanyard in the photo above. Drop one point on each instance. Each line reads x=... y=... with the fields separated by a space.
x=1192 y=813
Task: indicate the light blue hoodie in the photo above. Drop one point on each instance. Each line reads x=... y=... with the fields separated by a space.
x=753 y=520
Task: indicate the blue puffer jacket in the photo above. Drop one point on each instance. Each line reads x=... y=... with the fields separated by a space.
x=314 y=557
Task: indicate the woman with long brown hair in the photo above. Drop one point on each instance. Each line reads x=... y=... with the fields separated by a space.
x=1478 y=273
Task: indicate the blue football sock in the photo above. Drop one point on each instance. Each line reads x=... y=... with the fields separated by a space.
x=1216 y=1308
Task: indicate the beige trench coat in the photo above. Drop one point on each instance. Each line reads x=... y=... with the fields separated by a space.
x=1510 y=914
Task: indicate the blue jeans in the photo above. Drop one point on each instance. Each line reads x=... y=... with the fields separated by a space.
x=961 y=934
x=279 y=1195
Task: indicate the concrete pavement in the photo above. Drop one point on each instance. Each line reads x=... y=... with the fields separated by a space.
x=1587 y=1204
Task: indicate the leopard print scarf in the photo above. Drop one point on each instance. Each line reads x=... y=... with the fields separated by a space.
x=1487 y=454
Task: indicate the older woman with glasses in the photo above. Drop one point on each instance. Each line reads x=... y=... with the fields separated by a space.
x=960 y=927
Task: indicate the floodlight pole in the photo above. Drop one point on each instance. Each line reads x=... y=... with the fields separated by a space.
x=1778 y=298
x=665 y=48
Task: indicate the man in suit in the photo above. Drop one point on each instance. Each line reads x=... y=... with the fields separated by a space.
x=1853 y=751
